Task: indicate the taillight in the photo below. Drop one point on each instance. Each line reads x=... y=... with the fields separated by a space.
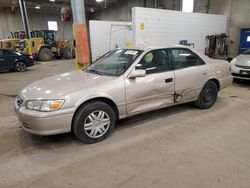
x=31 y=57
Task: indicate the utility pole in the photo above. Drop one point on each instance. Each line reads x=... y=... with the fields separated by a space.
x=80 y=33
x=25 y=24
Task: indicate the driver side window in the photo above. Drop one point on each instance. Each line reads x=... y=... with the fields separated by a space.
x=155 y=61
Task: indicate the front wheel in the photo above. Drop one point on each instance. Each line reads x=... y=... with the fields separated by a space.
x=93 y=122
x=20 y=66
x=207 y=96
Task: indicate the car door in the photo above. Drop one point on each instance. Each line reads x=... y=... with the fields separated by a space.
x=156 y=89
x=190 y=74
x=3 y=63
x=9 y=59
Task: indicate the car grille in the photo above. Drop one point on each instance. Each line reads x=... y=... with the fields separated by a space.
x=19 y=101
x=241 y=75
x=243 y=67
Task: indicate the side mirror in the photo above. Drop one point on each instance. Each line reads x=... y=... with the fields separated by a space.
x=137 y=73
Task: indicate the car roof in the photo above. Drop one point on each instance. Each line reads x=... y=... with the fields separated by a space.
x=157 y=47
x=4 y=49
x=148 y=48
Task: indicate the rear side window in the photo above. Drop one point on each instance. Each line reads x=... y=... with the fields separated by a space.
x=155 y=61
x=184 y=58
x=7 y=52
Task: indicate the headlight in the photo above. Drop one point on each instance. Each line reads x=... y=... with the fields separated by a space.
x=44 y=105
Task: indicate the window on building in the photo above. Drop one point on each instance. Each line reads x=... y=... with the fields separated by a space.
x=187 y=5
x=52 y=25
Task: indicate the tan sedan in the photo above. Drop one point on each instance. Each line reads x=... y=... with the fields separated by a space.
x=122 y=83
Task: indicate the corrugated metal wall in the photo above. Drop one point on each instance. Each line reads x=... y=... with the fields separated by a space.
x=10 y=22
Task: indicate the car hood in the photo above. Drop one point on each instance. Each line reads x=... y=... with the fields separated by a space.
x=243 y=60
x=57 y=87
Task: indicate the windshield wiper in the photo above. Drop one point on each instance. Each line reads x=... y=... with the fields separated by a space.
x=94 y=71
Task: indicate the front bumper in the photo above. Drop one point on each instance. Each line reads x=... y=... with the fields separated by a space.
x=240 y=76
x=45 y=123
x=237 y=73
x=30 y=63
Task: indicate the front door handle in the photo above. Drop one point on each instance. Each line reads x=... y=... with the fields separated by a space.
x=1 y=59
x=168 y=80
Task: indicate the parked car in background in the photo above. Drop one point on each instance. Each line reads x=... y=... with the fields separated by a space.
x=241 y=66
x=11 y=60
x=120 y=84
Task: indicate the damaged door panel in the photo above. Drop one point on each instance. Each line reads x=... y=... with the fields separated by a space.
x=154 y=90
x=190 y=74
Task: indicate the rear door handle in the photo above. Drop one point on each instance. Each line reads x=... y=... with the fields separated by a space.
x=168 y=80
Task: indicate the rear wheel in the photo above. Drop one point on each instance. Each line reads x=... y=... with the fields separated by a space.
x=45 y=54
x=20 y=66
x=207 y=96
x=93 y=122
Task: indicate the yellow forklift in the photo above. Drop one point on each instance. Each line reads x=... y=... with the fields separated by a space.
x=44 y=46
x=13 y=41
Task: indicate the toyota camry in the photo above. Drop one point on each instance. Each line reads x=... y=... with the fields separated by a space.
x=120 y=84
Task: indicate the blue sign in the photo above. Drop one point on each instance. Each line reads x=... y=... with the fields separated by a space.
x=244 y=39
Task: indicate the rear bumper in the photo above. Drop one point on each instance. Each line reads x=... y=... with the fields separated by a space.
x=240 y=76
x=226 y=82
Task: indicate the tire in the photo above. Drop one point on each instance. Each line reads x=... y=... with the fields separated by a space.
x=20 y=66
x=67 y=53
x=93 y=122
x=207 y=96
x=45 y=54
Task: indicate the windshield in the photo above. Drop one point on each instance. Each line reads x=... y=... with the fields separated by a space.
x=114 y=63
x=246 y=52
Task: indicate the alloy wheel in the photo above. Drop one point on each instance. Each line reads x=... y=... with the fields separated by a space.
x=20 y=66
